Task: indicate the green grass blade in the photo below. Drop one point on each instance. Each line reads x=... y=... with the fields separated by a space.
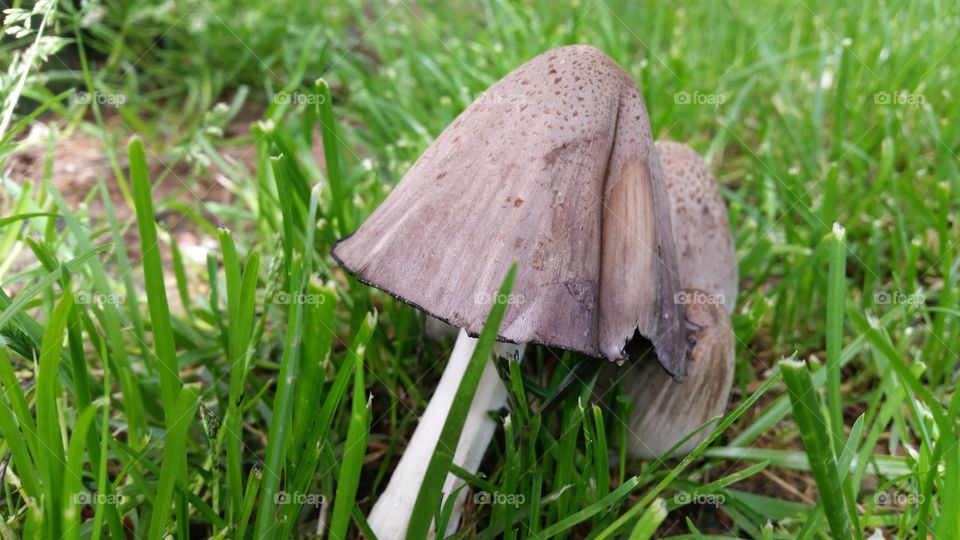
x=317 y=341
x=16 y=403
x=174 y=466
x=843 y=467
x=316 y=441
x=250 y=500
x=25 y=121
x=356 y=442
x=600 y=457
x=835 y=301
x=272 y=468
x=74 y=472
x=20 y=217
x=812 y=424
x=153 y=279
x=51 y=459
x=567 y=522
x=241 y=292
x=431 y=492
x=17 y=305
x=331 y=154
x=107 y=508
x=122 y=259
x=180 y=272
x=781 y=406
x=650 y=521
x=16 y=440
x=283 y=181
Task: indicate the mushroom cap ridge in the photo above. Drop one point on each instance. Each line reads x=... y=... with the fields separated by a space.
x=662 y=415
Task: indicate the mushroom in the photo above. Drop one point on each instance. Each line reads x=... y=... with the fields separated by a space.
x=554 y=168
x=708 y=272
x=701 y=225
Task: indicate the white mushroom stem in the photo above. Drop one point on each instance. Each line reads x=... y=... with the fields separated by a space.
x=391 y=513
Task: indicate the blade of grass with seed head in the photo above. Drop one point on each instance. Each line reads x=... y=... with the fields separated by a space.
x=836 y=286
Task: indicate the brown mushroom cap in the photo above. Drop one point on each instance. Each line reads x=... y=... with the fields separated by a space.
x=553 y=167
x=662 y=415
x=701 y=225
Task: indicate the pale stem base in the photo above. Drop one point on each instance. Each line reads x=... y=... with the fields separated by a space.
x=391 y=513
